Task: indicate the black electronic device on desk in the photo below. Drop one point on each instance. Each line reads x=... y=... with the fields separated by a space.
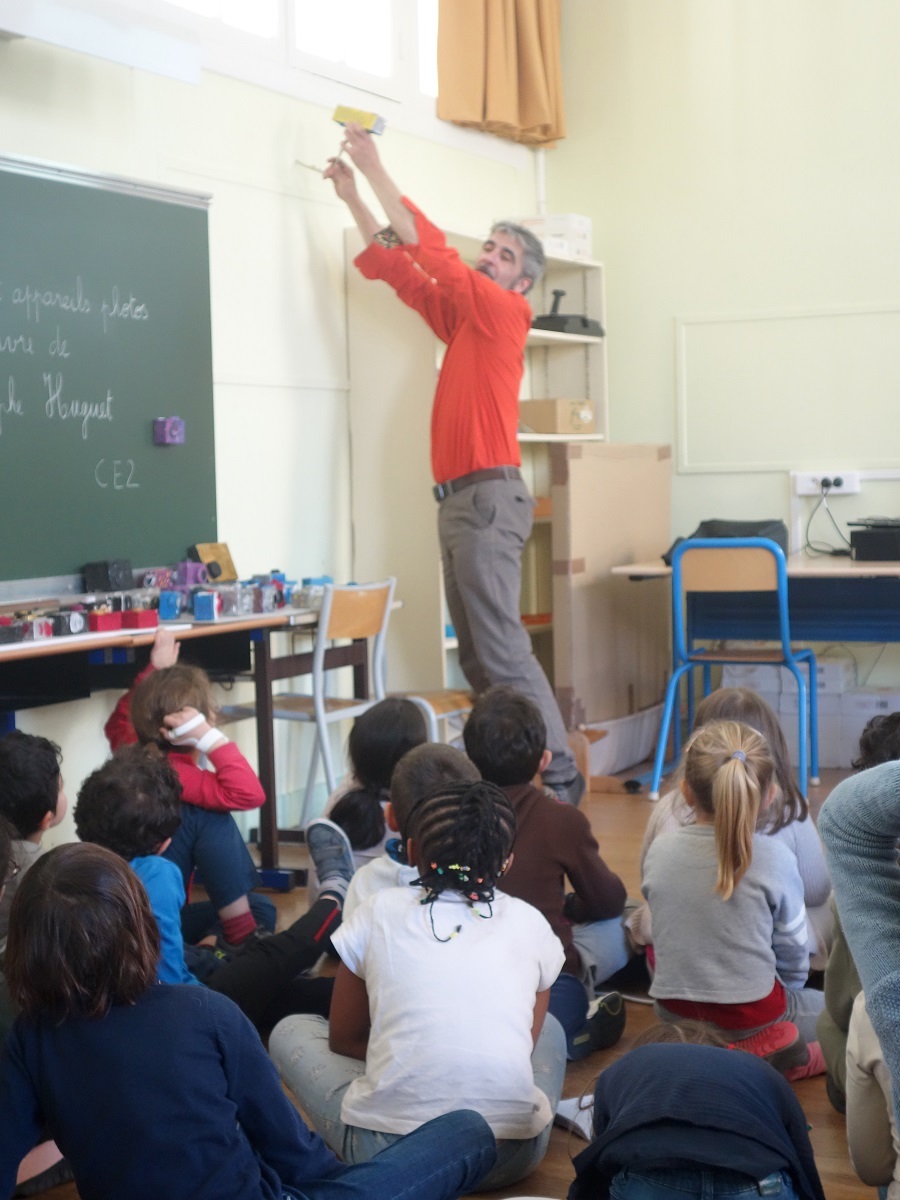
x=875 y=539
x=556 y=322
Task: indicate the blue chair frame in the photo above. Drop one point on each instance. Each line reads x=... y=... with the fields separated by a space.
x=762 y=569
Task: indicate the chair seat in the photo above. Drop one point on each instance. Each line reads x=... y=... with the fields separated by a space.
x=289 y=707
x=443 y=700
x=773 y=656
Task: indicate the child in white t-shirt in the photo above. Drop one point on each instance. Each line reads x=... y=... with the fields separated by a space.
x=441 y=997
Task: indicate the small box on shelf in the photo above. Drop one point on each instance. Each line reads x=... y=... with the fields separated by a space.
x=557 y=416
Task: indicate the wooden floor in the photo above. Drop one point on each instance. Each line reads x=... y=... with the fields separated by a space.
x=618 y=820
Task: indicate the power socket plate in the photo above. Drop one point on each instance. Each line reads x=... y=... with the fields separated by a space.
x=809 y=483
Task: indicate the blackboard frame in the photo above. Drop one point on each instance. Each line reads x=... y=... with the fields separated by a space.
x=104 y=326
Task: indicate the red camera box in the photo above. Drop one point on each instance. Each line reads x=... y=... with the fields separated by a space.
x=104 y=622
x=140 y=618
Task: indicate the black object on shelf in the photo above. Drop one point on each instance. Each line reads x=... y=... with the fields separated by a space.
x=556 y=322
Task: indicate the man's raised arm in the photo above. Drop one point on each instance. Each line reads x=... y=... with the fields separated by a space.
x=361 y=148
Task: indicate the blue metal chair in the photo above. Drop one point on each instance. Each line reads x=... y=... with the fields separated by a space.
x=724 y=565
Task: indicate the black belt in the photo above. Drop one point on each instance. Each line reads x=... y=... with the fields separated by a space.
x=443 y=490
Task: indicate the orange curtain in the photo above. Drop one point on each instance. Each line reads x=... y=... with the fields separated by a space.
x=499 y=68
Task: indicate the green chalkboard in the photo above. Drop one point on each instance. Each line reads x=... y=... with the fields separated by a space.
x=104 y=326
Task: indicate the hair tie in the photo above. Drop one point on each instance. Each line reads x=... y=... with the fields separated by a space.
x=740 y=756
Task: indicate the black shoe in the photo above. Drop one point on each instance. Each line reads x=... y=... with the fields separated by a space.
x=54 y=1176
x=603 y=1028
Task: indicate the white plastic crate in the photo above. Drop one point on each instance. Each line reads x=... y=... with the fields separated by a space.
x=833 y=676
x=829 y=728
x=629 y=740
x=759 y=677
x=565 y=234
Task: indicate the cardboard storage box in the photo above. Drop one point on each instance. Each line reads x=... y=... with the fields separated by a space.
x=557 y=416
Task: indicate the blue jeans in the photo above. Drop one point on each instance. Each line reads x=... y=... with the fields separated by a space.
x=212 y=842
x=681 y=1184
x=319 y=1078
x=438 y=1161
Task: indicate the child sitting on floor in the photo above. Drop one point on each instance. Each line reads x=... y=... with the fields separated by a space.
x=506 y=738
x=441 y=995
x=32 y=801
x=171 y=707
x=787 y=818
x=160 y=1091
x=378 y=740
x=726 y=901
x=421 y=772
x=679 y=1116
x=130 y=806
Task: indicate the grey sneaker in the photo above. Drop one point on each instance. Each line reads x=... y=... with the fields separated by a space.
x=331 y=853
x=569 y=792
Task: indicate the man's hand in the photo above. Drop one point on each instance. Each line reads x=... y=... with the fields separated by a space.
x=360 y=145
x=165 y=649
x=343 y=179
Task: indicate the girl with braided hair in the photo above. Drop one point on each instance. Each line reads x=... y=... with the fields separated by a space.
x=440 y=1001
x=726 y=901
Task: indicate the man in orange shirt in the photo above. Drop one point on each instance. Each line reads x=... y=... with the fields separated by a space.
x=486 y=511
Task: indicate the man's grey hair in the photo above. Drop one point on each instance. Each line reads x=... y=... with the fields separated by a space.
x=533 y=258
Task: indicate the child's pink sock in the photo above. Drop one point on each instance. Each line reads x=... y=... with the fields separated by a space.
x=815 y=1066
x=237 y=929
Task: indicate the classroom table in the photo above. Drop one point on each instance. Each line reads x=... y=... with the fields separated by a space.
x=830 y=600
x=63 y=678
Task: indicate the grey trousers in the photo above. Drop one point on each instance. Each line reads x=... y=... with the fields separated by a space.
x=483 y=530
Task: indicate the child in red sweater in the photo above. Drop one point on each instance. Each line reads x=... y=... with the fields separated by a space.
x=171 y=706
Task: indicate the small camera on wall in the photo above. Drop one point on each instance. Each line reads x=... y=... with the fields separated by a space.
x=168 y=431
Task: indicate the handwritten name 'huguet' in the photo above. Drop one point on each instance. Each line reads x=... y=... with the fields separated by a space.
x=36 y=300
x=83 y=410
x=11 y=405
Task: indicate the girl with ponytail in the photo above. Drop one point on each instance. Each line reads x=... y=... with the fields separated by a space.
x=729 y=923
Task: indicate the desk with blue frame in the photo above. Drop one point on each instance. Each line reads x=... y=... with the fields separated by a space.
x=63 y=669
x=830 y=599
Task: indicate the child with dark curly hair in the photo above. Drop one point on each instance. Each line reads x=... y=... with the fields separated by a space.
x=440 y=999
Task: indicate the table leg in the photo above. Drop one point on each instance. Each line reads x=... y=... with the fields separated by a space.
x=265 y=748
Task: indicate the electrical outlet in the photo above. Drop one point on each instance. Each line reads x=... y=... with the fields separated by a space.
x=813 y=483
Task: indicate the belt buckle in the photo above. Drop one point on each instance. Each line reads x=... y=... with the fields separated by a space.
x=442 y=491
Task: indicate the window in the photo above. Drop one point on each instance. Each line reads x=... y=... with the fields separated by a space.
x=358 y=34
x=261 y=18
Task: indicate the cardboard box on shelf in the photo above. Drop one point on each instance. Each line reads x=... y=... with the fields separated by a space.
x=858 y=707
x=556 y=416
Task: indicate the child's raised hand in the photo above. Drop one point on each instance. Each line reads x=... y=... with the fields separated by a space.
x=189 y=728
x=165 y=649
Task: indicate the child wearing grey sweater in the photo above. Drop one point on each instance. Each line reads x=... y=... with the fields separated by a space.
x=728 y=916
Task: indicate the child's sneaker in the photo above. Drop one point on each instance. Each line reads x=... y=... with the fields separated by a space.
x=815 y=1065
x=331 y=853
x=780 y=1045
x=604 y=1026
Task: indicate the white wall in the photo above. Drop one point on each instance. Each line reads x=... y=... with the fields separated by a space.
x=278 y=305
x=738 y=157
